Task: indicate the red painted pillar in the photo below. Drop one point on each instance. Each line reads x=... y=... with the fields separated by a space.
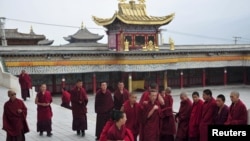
x=244 y=76
x=225 y=76
x=94 y=83
x=181 y=79
x=204 y=78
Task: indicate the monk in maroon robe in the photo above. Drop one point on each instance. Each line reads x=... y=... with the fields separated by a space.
x=150 y=119
x=221 y=111
x=182 y=117
x=103 y=136
x=120 y=96
x=44 y=111
x=207 y=114
x=79 y=101
x=65 y=99
x=14 y=118
x=195 y=117
x=131 y=108
x=237 y=111
x=25 y=83
x=103 y=107
x=167 y=123
x=118 y=131
x=145 y=95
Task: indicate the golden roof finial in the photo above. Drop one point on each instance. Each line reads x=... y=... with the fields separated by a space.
x=122 y=1
x=82 y=26
x=141 y=1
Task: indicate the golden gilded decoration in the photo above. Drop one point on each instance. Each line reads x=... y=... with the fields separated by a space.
x=134 y=13
x=171 y=43
x=150 y=46
x=122 y=1
x=126 y=62
x=126 y=45
x=141 y=1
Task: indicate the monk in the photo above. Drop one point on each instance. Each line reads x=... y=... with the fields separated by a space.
x=14 y=118
x=120 y=96
x=182 y=117
x=103 y=107
x=79 y=102
x=118 y=131
x=195 y=117
x=25 y=83
x=44 y=111
x=131 y=109
x=150 y=119
x=237 y=111
x=145 y=95
x=167 y=122
x=221 y=111
x=65 y=99
x=207 y=114
x=103 y=136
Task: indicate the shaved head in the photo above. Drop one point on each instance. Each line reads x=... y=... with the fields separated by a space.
x=235 y=93
x=234 y=96
x=183 y=96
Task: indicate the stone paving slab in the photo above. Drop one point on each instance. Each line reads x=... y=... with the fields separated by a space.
x=62 y=118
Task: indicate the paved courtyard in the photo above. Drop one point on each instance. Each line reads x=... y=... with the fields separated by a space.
x=62 y=118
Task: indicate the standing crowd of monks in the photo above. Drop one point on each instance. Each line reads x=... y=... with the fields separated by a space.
x=121 y=118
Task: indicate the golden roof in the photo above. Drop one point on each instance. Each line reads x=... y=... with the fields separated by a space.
x=134 y=13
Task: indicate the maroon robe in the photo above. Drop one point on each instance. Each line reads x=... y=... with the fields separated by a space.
x=15 y=123
x=25 y=83
x=79 y=101
x=207 y=113
x=123 y=134
x=150 y=131
x=144 y=97
x=103 y=136
x=167 y=123
x=120 y=98
x=132 y=122
x=183 y=116
x=66 y=99
x=237 y=114
x=220 y=117
x=103 y=107
x=44 y=113
x=194 y=121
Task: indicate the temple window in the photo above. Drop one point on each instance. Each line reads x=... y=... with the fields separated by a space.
x=139 y=40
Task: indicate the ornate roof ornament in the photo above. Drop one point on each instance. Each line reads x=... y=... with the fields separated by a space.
x=82 y=26
x=31 y=30
x=141 y=1
x=122 y=1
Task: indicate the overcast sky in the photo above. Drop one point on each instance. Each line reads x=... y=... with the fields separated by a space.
x=195 y=22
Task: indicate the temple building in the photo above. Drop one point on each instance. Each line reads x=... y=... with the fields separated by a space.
x=84 y=38
x=132 y=24
x=133 y=54
x=14 y=37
